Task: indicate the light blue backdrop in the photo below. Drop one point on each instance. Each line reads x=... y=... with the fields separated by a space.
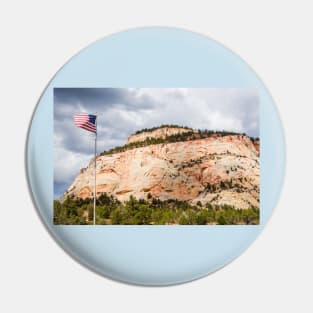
x=154 y=255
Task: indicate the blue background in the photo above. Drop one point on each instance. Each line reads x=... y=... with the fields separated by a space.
x=154 y=57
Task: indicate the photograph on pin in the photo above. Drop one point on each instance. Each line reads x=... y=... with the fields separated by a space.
x=156 y=156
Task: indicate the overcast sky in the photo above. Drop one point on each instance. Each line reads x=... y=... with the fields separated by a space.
x=124 y=111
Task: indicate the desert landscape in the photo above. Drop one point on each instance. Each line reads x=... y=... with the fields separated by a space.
x=169 y=175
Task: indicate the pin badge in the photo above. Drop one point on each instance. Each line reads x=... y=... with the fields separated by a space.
x=155 y=156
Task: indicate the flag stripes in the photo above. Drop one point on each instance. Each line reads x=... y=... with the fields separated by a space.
x=86 y=121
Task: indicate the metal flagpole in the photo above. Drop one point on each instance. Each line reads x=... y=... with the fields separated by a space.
x=95 y=179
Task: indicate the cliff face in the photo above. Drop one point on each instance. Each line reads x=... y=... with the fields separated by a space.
x=157 y=133
x=219 y=170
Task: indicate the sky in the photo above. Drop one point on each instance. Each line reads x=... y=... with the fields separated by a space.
x=123 y=111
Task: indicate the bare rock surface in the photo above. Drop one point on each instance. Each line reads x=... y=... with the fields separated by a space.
x=218 y=170
x=161 y=132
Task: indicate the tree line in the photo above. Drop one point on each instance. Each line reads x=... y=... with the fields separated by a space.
x=185 y=136
x=151 y=211
x=146 y=130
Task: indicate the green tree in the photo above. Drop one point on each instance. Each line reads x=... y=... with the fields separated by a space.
x=221 y=220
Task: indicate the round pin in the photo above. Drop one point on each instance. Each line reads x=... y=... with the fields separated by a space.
x=155 y=156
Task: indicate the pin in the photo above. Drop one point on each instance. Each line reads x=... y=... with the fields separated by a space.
x=150 y=156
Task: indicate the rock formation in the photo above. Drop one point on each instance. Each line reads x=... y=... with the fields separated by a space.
x=161 y=132
x=217 y=169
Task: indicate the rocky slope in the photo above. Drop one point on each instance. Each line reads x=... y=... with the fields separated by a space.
x=219 y=170
x=161 y=132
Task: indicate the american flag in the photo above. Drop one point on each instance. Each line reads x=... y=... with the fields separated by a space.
x=86 y=121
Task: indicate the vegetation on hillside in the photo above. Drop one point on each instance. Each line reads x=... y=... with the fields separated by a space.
x=149 y=212
x=145 y=130
x=189 y=135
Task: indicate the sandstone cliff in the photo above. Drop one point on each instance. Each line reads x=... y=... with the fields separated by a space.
x=161 y=132
x=219 y=170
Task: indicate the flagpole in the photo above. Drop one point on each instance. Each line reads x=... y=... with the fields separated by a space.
x=95 y=179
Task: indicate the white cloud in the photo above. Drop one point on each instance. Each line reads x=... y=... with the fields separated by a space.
x=67 y=163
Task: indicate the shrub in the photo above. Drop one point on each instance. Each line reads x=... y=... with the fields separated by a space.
x=188 y=135
x=141 y=212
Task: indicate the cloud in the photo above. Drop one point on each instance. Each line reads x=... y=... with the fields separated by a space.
x=124 y=111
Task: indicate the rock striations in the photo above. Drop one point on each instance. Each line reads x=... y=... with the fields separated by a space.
x=218 y=169
x=161 y=132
